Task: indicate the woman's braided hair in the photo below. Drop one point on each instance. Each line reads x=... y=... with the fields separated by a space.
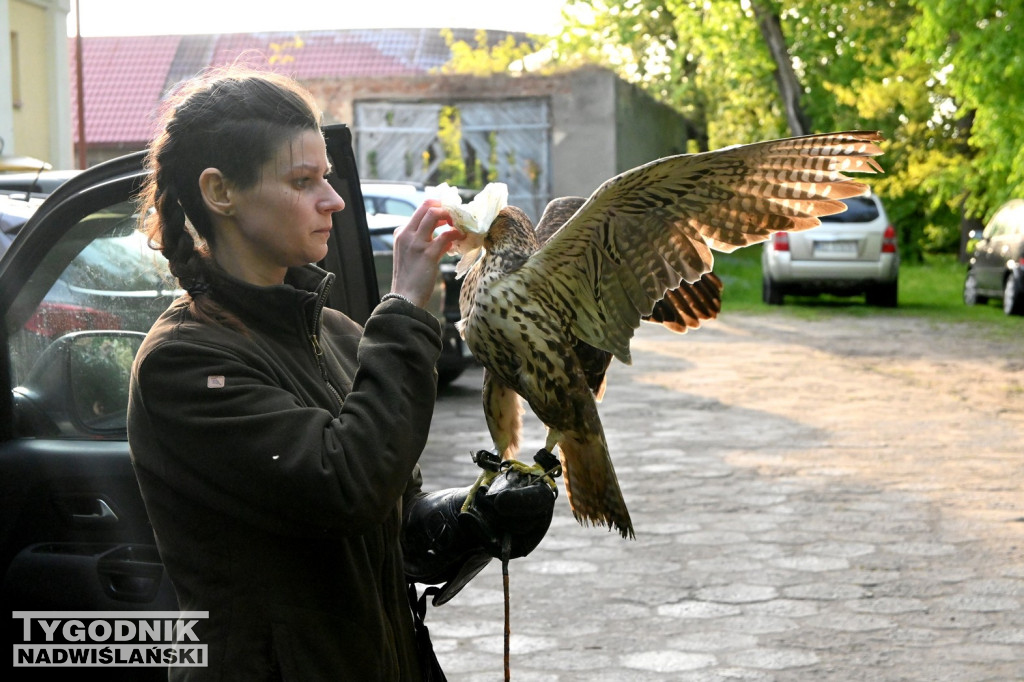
x=234 y=120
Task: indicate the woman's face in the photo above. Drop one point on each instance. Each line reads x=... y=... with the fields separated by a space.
x=284 y=220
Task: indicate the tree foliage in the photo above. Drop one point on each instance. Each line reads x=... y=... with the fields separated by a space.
x=938 y=77
x=482 y=58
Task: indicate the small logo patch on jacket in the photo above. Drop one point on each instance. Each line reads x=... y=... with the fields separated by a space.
x=215 y=381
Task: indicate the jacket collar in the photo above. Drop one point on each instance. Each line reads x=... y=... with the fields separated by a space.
x=299 y=300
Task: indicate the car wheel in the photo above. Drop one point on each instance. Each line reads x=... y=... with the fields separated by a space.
x=882 y=295
x=971 y=295
x=1013 y=298
x=770 y=291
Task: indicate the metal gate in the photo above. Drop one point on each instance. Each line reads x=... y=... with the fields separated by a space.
x=510 y=138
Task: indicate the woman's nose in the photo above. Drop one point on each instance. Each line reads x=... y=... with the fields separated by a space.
x=332 y=202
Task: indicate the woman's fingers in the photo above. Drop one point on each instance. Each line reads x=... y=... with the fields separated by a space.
x=417 y=251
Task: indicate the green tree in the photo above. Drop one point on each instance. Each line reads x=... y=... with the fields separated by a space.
x=483 y=59
x=938 y=77
x=973 y=49
x=852 y=66
x=452 y=168
x=685 y=54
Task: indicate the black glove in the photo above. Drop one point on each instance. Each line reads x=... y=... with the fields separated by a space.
x=510 y=514
x=443 y=543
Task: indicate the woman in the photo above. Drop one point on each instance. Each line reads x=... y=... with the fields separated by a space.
x=275 y=441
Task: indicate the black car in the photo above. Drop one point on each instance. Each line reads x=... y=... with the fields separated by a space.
x=996 y=266
x=443 y=303
x=78 y=290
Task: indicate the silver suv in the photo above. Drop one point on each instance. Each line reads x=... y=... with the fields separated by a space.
x=850 y=253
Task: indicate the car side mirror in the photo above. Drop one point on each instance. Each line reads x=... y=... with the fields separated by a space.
x=79 y=386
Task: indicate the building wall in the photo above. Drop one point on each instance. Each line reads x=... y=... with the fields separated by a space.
x=645 y=129
x=35 y=105
x=600 y=125
x=583 y=147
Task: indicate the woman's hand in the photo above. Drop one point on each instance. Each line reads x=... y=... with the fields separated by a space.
x=417 y=252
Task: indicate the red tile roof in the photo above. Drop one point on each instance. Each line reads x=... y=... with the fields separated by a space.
x=123 y=80
x=125 y=77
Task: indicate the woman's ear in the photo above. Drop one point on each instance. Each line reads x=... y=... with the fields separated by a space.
x=217 y=194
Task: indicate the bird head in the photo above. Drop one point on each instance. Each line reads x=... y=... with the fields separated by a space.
x=511 y=234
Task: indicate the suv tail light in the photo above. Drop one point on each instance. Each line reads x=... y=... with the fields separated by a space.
x=889 y=240
x=780 y=241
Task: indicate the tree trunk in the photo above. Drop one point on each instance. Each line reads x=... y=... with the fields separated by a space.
x=790 y=89
x=968 y=223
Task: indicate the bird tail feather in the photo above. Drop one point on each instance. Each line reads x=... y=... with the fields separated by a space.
x=590 y=482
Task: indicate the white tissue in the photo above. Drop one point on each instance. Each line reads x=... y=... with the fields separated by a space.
x=477 y=215
x=473 y=219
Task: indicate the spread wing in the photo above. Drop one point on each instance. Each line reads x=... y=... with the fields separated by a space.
x=682 y=308
x=644 y=231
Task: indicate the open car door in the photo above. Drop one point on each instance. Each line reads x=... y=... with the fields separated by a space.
x=79 y=288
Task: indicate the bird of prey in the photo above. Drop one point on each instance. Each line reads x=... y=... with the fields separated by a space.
x=537 y=305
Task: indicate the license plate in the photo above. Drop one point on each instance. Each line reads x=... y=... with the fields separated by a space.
x=836 y=247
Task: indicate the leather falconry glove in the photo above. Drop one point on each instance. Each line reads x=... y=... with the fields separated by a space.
x=450 y=535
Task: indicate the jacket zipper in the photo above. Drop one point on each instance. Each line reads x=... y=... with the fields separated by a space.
x=318 y=352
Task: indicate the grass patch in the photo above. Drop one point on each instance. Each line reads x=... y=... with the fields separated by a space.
x=932 y=289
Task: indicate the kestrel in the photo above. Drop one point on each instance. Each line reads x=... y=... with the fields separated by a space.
x=535 y=303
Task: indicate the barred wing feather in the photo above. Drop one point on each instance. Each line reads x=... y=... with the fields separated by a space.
x=644 y=231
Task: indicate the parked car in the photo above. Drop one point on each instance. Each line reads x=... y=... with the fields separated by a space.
x=392 y=198
x=850 y=253
x=996 y=267
x=34 y=184
x=74 y=534
x=14 y=213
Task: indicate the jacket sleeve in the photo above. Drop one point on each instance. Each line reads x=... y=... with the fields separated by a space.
x=221 y=424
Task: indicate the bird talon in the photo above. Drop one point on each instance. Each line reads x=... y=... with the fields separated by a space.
x=485 y=478
x=532 y=471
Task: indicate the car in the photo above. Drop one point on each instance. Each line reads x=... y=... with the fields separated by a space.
x=392 y=198
x=444 y=302
x=79 y=288
x=389 y=204
x=851 y=253
x=36 y=183
x=995 y=269
x=14 y=213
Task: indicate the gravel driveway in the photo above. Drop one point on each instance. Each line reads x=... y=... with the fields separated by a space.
x=839 y=499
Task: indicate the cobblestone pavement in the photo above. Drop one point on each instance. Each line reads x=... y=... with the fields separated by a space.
x=823 y=500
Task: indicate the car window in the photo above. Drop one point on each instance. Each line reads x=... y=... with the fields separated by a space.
x=999 y=224
x=77 y=323
x=1014 y=219
x=858 y=210
x=396 y=206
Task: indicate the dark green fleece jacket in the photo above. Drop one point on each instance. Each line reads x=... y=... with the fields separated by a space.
x=273 y=465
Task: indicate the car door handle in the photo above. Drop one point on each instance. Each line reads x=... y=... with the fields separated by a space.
x=87 y=510
x=103 y=514
x=131 y=573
